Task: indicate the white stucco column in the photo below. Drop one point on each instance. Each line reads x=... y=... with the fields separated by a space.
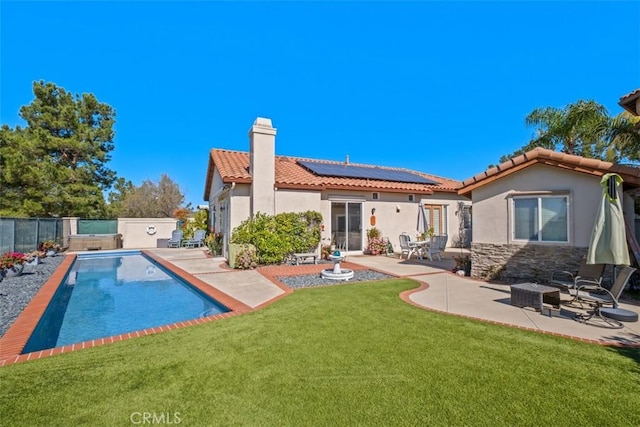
x=262 y=140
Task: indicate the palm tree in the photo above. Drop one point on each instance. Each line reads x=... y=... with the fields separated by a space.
x=623 y=135
x=585 y=129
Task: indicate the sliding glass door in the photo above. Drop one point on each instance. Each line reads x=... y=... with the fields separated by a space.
x=346 y=225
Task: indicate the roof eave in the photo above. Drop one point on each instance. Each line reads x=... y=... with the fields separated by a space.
x=628 y=102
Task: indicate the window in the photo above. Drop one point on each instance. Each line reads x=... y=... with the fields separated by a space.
x=436 y=219
x=541 y=219
x=412 y=198
x=466 y=217
x=375 y=196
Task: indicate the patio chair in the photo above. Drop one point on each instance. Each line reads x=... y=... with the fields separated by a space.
x=598 y=297
x=197 y=240
x=436 y=246
x=566 y=280
x=408 y=247
x=176 y=239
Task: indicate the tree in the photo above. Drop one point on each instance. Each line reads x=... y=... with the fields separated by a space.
x=151 y=200
x=585 y=129
x=624 y=135
x=121 y=190
x=56 y=165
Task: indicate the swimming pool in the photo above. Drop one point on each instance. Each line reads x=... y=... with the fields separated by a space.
x=115 y=293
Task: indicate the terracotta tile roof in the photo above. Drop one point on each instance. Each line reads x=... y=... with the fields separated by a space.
x=539 y=155
x=233 y=166
x=628 y=101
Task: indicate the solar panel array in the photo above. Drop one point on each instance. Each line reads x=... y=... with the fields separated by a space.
x=350 y=171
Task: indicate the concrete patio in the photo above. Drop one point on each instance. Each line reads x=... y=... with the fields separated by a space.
x=441 y=291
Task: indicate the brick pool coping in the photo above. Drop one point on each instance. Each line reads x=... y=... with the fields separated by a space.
x=14 y=340
x=12 y=343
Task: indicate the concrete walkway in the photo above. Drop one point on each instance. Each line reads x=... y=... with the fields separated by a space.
x=246 y=286
x=442 y=291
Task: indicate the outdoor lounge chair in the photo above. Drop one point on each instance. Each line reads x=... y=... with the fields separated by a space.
x=566 y=280
x=176 y=239
x=197 y=240
x=598 y=297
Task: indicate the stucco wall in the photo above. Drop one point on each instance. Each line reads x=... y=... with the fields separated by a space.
x=134 y=231
x=239 y=205
x=297 y=201
x=491 y=202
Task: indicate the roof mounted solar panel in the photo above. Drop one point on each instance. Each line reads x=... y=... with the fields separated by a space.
x=351 y=171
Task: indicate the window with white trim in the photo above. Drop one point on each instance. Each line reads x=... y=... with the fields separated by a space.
x=412 y=198
x=542 y=218
x=375 y=196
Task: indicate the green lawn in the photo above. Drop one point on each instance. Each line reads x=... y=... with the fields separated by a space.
x=352 y=354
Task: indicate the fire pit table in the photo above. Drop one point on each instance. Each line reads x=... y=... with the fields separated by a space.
x=534 y=295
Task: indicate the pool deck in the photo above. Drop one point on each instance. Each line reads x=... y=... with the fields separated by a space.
x=438 y=289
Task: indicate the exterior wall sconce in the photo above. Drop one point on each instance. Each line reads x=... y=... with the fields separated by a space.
x=397 y=208
x=373 y=211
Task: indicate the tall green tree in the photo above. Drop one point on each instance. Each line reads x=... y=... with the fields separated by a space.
x=121 y=190
x=56 y=164
x=583 y=128
x=151 y=200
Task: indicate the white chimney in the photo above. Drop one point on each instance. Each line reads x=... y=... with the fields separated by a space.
x=262 y=149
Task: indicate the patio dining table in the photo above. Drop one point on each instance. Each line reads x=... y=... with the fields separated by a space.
x=420 y=246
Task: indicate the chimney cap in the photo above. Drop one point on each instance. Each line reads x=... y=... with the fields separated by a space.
x=263 y=122
x=262 y=125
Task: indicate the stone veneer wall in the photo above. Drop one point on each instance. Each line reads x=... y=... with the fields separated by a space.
x=518 y=263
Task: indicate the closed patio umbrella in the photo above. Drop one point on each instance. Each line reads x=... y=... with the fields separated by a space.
x=421 y=226
x=608 y=244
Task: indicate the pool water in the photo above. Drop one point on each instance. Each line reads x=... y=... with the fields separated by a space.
x=111 y=294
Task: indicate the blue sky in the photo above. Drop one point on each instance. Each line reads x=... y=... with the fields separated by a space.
x=439 y=87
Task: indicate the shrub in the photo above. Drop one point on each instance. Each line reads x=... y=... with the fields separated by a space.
x=376 y=246
x=277 y=236
x=373 y=233
x=214 y=243
x=463 y=262
x=246 y=260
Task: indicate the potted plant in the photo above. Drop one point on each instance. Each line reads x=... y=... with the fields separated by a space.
x=325 y=251
x=33 y=257
x=50 y=247
x=427 y=234
x=12 y=263
x=375 y=245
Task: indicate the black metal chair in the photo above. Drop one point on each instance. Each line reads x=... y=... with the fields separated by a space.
x=566 y=280
x=599 y=297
